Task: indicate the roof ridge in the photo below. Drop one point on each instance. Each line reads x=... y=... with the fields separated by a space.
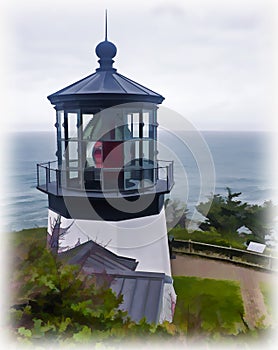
x=140 y=86
x=98 y=257
x=94 y=76
x=119 y=82
x=71 y=85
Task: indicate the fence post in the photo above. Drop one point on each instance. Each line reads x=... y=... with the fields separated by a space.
x=270 y=262
x=230 y=253
x=190 y=246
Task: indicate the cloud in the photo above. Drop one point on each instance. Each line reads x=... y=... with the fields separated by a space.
x=198 y=54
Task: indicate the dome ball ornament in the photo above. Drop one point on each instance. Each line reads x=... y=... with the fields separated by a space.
x=106 y=50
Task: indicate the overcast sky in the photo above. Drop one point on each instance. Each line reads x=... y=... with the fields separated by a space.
x=213 y=61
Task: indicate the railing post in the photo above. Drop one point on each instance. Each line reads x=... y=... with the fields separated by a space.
x=38 y=175
x=46 y=177
x=167 y=177
x=171 y=166
x=143 y=181
x=102 y=177
x=57 y=181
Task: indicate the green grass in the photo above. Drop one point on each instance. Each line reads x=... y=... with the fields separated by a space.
x=208 y=306
x=28 y=235
x=267 y=292
x=210 y=237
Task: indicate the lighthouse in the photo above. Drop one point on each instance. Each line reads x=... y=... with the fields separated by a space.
x=107 y=184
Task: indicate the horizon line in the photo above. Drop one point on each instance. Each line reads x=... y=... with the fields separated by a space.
x=177 y=130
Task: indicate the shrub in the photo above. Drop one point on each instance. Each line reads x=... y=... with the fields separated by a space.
x=58 y=302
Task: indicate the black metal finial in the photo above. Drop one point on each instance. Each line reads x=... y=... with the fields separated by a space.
x=106 y=51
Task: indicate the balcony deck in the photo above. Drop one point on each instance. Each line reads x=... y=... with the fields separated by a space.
x=49 y=181
x=52 y=188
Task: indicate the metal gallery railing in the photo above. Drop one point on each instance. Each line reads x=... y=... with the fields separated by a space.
x=51 y=178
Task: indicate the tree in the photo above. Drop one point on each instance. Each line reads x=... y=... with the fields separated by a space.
x=260 y=220
x=176 y=213
x=59 y=302
x=227 y=214
x=57 y=234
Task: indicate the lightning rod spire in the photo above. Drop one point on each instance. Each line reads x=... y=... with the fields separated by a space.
x=106 y=25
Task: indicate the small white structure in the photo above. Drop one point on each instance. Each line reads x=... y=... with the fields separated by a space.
x=244 y=230
x=256 y=247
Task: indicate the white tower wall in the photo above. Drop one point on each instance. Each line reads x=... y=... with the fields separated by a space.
x=144 y=239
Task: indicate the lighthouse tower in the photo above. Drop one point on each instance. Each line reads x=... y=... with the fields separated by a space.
x=108 y=183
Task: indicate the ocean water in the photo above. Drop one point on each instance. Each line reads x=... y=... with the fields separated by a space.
x=239 y=160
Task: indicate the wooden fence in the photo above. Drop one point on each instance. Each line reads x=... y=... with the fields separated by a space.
x=225 y=253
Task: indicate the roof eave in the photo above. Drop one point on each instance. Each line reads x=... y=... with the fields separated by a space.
x=98 y=99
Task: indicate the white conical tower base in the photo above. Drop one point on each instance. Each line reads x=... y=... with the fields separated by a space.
x=144 y=239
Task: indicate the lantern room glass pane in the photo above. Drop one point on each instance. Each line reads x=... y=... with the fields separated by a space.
x=135 y=125
x=63 y=150
x=86 y=119
x=73 y=153
x=146 y=121
x=72 y=125
x=93 y=130
x=128 y=152
x=130 y=123
x=137 y=149
x=73 y=174
x=146 y=150
x=60 y=116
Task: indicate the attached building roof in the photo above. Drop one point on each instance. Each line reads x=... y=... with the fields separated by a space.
x=142 y=294
x=96 y=259
x=142 y=291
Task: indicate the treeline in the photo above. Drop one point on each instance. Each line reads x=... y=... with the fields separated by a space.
x=226 y=217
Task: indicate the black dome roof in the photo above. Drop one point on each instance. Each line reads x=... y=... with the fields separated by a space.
x=105 y=85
